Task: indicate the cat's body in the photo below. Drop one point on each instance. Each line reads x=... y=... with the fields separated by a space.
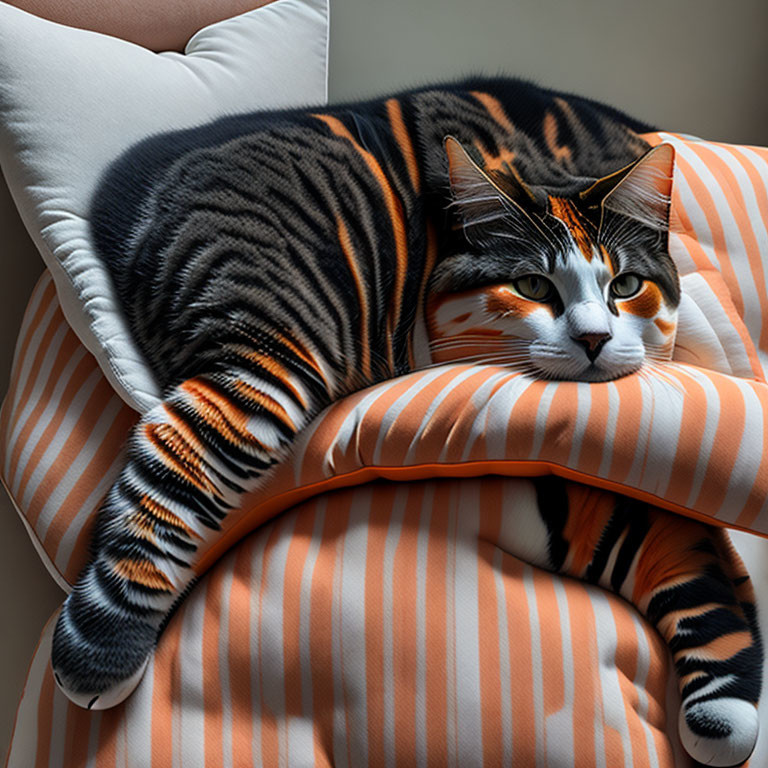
x=295 y=197
x=270 y=264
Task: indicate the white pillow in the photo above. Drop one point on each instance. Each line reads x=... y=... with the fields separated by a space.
x=71 y=101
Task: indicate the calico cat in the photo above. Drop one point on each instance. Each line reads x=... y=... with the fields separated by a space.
x=269 y=264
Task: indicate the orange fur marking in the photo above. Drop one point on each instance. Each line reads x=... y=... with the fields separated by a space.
x=689 y=678
x=349 y=255
x=668 y=624
x=185 y=433
x=403 y=139
x=277 y=370
x=646 y=304
x=177 y=454
x=567 y=212
x=495 y=110
x=719 y=649
x=503 y=161
x=559 y=152
x=143 y=572
x=662 y=562
x=501 y=300
x=266 y=402
x=157 y=510
x=304 y=354
x=228 y=420
x=607 y=260
x=143 y=525
x=396 y=217
x=590 y=511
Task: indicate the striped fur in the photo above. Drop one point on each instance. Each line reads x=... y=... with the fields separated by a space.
x=269 y=265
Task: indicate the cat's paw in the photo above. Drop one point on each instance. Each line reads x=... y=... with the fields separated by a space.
x=99 y=657
x=719 y=732
x=100 y=700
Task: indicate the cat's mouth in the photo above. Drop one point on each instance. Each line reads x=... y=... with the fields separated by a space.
x=596 y=373
x=553 y=362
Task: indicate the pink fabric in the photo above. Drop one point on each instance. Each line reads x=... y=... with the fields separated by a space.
x=160 y=25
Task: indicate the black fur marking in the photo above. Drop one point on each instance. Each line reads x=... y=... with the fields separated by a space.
x=710 y=587
x=552 y=499
x=611 y=534
x=637 y=514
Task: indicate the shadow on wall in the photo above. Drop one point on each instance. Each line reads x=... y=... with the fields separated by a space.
x=20 y=266
x=693 y=66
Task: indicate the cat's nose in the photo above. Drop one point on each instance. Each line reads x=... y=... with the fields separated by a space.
x=592 y=343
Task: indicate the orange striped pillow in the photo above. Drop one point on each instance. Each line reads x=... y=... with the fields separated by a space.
x=719 y=223
x=62 y=428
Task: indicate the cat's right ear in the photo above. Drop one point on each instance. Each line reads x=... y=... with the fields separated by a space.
x=479 y=197
x=641 y=190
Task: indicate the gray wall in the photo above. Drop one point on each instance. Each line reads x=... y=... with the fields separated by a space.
x=696 y=66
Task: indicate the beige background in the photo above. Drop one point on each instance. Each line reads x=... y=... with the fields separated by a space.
x=696 y=66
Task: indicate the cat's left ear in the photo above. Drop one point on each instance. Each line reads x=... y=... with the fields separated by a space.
x=477 y=194
x=641 y=190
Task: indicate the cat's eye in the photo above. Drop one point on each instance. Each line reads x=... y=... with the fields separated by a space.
x=626 y=285
x=534 y=287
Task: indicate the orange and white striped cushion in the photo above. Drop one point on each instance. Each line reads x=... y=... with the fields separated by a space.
x=378 y=626
x=62 y=428
x=719 y=222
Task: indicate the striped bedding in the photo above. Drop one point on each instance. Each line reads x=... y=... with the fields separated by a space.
x=332 y=634
x=376 y=626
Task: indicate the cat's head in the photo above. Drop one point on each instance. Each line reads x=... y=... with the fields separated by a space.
x=576 y=286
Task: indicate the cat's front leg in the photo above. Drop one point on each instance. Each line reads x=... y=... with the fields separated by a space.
x=188 y=463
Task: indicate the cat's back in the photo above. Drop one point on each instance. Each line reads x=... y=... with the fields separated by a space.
x=226 y=215
x=551 y=137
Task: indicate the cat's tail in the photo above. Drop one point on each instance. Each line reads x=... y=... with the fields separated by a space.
x=689 y=582
x=702 y=602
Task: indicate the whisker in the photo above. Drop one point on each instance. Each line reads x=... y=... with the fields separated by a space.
x=450 y=343
x=481 y=337
x=480 y=345
x=653 y=372
x=504 y=360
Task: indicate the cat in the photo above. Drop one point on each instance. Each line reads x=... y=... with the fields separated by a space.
x=269 y=264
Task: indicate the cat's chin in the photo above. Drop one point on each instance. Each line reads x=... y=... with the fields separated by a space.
x=592 y=373
x=595 y=374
